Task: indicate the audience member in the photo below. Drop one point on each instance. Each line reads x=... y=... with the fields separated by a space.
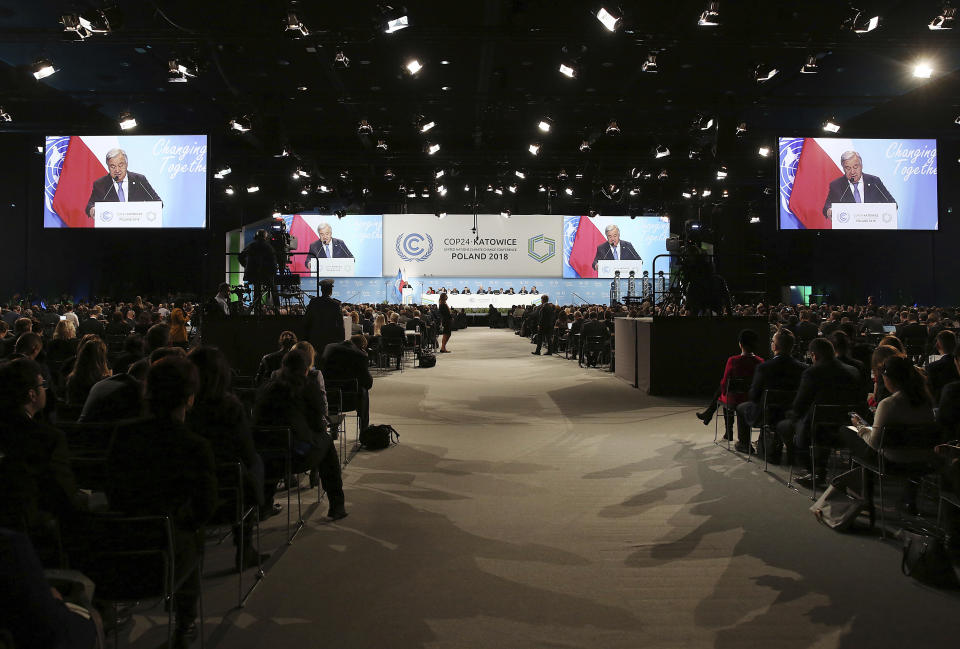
x=90 y=367
x=944 y=370
x=349 y=361
x=271 y=362
x=739 y=366
x=324 y=319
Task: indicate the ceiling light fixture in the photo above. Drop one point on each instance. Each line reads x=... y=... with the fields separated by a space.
x=394 y=19
x=754 y=219
x=830 y=126
x=427 y=126
x=810 y=67
x=764 y=151
x=568 y=191
x=544 y=125
x=513 y=189
x=650 y=65
x=741 y=129
x=42 y=69
x=923 y=70
x=721 y=173
x=341 y=213
x=505 y=213
x=662 y=151
x=253 y=188
x=5 y=116
x=764 y=73
x=222 y=172
x=442 y=190
x=711 y=16
x=295 y=27
x=568 y=71
x=228 y=190
x=241 y=125
x=388 y=175
x=127 y=121
x=609 y=20
x=382 y=145
x=432 y=148
x=858 y=23
x=413 y=66
x=364 y=128
x=179 y=73
x=585 y=146
x=944 y=20
x=71 y=24
x=534 y=149
x=340 y=60
x=613 y=128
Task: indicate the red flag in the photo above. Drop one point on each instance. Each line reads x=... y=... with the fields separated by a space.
x=80 y=169
x=305 y=235
x=815 y=170
x=584 y=249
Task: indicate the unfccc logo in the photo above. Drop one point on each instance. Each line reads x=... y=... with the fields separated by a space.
x=414 y=246
x=541 y=248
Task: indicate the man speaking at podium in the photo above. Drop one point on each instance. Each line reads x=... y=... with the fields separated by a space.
x=119 y=185
x=326 y=247
x=614 y=248
x=854 y=186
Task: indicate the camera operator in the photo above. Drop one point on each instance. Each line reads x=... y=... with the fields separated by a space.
x=260 y=269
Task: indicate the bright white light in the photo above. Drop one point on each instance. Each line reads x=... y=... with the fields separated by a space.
x=466 y=188
x=710 y=17
x=323 y=189
x=541 y=188
x=534 y=149
x=397 y=24
x=433 y=148
x=764 y=151
x=519 y=174
x=766 y=74
x=439 y=173
x=414 y=66
x=43 y=69
x=237 y=125
x=222 y=172
x=498 y=191
x=662 y=151
x=513 y=189
x=721 y=173
x=944 y=21
x=505 y=214
x=426 y=127
x=922 y=70
x=754 y=219
x=650 y=65
x=726 y=193
x=5 y=116
x=441 y=215
x=295 y=175
x=252 y=189
x=568 y=191
x=567 y=71
x=442 y=190
x=687 y=195
x=872 y=24
x=706 y=125
x=585 y=146
x=228 y=190
x=608 y=20
x=127 y=122
x=544 y=126
x=304 y=191
x=830 y=126
x=706 y=192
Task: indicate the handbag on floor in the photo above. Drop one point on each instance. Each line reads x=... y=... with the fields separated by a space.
x=427 y=359
x=374 y=438
x=925 y=557
x=838 y=506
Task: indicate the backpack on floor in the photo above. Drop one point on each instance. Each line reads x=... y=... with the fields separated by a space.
x=427 y=359
x=374 y=438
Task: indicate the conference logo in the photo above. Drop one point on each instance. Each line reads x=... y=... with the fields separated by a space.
x=151 y=216
x=887 y=217
x=107 y=216
x=541 y=248
x=843 y=218
x=414 y=246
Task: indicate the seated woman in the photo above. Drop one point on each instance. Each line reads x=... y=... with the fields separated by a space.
x=909 y=403
x=880 y=356
x=740 y=366
x=90 y=367
x=178 y=328
x=295 y=399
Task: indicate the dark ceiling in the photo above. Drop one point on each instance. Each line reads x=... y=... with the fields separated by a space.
x=490 y=74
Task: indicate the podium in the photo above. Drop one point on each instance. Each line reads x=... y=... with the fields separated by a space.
x=336 y=267
x=607 y=267
x=864 y=216
x=130 y=214
x=407 y=295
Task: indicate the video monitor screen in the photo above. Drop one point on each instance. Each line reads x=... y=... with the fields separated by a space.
x=857 y=184
x=602 y=245
x=332 y=247
x=125 y=181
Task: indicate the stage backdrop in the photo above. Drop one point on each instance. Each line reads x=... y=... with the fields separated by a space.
x=582 y=236
x=174 y=165
x=360 y=234
x=424 y=246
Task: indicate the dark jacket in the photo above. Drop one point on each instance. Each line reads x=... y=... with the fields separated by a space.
x=782 y=372
x=547 y=317
x=112 y=399
x=948 y=412
x=105 y=190
x=344 y=361
x=830 y=382
x=259 y=262
x=338 y=248
x=159 y=466
x=323 y=323
x=873 y=192
x=941 y=372
x=268 y=365
x=299 y=403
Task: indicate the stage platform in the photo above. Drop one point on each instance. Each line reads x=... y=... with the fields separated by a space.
x=245 y=339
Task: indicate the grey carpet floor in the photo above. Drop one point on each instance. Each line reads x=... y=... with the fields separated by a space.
x=532 y=503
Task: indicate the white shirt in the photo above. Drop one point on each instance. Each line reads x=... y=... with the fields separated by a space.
x=615 y=251
x=859 y=187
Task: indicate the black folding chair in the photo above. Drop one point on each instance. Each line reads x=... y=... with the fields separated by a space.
x=232 y=513
x=391 y=348
x=276 y=442
x=343 y=398
x=828 y=417
x=737 y=388
x=773 y=407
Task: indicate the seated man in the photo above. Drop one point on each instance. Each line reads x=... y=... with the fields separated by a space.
x=348 y=360
x=948 y=412
x=271 y=362
x=590 y=328
x=826 y=381
x=157 y=465
x=782 y=372
x=943 y=370
x=465 y=291
x=393 y=331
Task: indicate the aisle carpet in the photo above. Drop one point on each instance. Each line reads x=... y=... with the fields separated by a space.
x=533 y=503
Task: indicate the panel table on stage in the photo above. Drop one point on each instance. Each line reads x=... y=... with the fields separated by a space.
x=482 y=301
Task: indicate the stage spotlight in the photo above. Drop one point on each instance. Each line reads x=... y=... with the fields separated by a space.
x=944 y=20
x=764 y=72
x=754 y=219
x=663 y=175
x=704 y=123
x=726 y=193
x=721 y=173
x=394 y=19
x=568 y=191
x=810 y=67
x=253 y=188
x=364 y=128
x=284 y=152
x=345 y=174
x=545 y=125
x=505 y=213
x=340 y=60
x=585 y=146
x=764 y=151
x=413 y=66
x=695 y=154
x=608 y=19
x=5 y=116
x=662 y=151
x=466 y=188
x=610 y=191
x=741 y=129
x=512 y=189
x=341 y=213
x=277 y=213
x=613 y=128
x=687 y=195
x=568 y=71
x=534 y=149
x=922 y=70
x=442 y=190
x=228 y=190
x=98 y=21
x=498 y=191
x=323 y=189
x=382 y=145
x=127 y=121
x=706 y=192
x=388 y=175
x=541 y=188
x=650 y=65
x=426 y=126
x=305 y=191
x=71 y=24
x=241 y=125
x=440 y=215
x=858 y=23
x=439 y=173
x=295 y=27
x=42 y=69
x=711 y=16
x=592 y=213
x=178 y=73
x=432 y=148
x=830 y=126
x=519 y=174
x=425 y=192
x=222 y=172
x=489 y=187
x=562 y=174
x=634 y=191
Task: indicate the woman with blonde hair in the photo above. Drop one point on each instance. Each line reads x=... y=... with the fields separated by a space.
x=178 y=328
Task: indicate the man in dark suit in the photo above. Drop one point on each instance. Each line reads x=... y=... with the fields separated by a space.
x=943 y=370
x=271 y=362
x=614 y=248
x=326 y=247
x=782 y=372
x=119 y=185
x=348 y=360
x=806 y=329
x=259 y=263
x=546 y=320
x=826 y=381
x=854 y=186
x=911 y=329
x=324 y=319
